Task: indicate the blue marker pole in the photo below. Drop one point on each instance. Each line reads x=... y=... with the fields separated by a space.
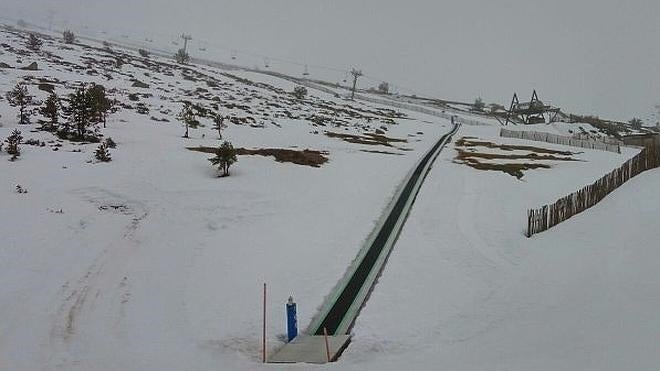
x=291 y=319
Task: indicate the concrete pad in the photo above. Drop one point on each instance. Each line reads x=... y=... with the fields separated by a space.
x=310 y=349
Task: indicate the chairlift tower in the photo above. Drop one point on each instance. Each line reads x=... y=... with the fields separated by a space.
x=356 y=74
x=185 y=38
x=532 y=112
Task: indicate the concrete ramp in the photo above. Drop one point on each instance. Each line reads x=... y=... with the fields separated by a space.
x=310 y=349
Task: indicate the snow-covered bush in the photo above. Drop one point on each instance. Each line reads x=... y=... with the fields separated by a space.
x=103 y=153
x=110 y=143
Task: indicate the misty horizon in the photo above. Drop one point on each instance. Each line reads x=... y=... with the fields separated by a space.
x=588 y=58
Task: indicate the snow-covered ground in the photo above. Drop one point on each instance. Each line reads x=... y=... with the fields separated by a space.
x=151 y=262
x=474 y=294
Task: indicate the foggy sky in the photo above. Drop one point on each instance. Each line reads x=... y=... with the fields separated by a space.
x=591 y=56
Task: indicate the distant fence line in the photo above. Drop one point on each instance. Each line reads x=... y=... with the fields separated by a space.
x=560 y=139
x=546 y=217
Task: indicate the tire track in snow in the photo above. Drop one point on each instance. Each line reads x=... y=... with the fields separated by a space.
x=76 y=298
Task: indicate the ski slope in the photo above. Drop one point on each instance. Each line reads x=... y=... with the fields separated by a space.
x=150 y=262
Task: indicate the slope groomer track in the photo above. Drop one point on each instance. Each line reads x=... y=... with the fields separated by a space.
x=342 y=306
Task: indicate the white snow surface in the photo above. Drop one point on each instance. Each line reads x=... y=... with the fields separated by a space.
x=154 y=263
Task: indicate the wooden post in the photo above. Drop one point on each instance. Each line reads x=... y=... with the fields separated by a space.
x=327 y=346
x=263 y=355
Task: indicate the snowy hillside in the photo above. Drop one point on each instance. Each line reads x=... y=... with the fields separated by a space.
x=152 y=262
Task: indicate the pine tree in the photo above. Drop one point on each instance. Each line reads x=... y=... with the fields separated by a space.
x=219 y=124
x=51 y=111
x=100 y=103
x=103 y=153
x=19 y=97
x=187 y=116
x=81 y=112
x=34 y=42
x=13 y=142
x=225 y=156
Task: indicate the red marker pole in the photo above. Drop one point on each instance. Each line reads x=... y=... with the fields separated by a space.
x=263 y=355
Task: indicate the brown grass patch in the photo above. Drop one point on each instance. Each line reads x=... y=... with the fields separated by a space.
x=306 y=157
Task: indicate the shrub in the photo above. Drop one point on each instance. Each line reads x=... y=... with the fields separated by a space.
x=384 y=88
x=300 y=92
x=102 y=153
x=34 y=42
x=110 y=143
x=69 y=37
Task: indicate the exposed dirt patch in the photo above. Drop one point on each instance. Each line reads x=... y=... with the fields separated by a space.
x=469 y=153
x=371 y=139
x=306 y=157
x=474 y=142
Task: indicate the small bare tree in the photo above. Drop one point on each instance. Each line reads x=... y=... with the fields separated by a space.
x=187 y=116
x=219 y=124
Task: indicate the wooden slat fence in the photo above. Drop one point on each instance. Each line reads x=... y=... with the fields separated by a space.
x=560 y=139
x=546 y=217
